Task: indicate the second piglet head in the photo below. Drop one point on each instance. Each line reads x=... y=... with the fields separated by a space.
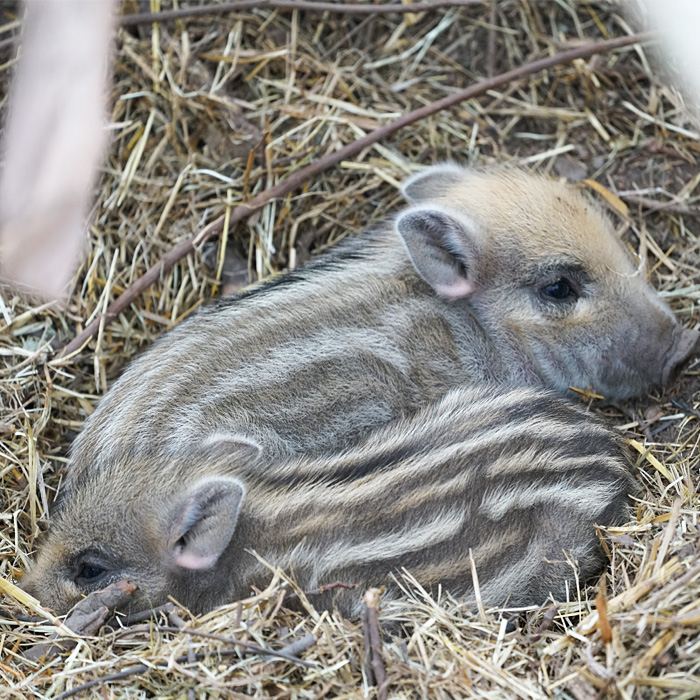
x=543 y=272
x=162 y=523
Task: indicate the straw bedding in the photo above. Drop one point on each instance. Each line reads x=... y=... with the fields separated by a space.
x=210 y=110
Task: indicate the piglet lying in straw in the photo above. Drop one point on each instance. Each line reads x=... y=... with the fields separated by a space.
x=502 y=278
x=512 y=481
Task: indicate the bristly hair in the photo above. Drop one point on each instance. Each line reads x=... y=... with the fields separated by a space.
x=349 y=250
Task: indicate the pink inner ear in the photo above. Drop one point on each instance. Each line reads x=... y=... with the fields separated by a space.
x=190 y=560
x=459 y=288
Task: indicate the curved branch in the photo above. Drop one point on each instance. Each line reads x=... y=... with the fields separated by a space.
x=289 y=6
x=295 y=180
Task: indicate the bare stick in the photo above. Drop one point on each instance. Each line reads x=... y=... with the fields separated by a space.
x=330 y=587
x=295 y=648
x=143 y=668
x=491 y=43
x=654 y=205
x=248 y=647
x=290 y=5
x=134 y=670
x=178 y=622
x=547 y=620
x=7 y=615
x=320 y=590
x=373 y=640
x=295 y=180
x=133 y=618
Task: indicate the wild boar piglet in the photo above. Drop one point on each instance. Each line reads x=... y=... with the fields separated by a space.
x=500 y=277
x=518 y=477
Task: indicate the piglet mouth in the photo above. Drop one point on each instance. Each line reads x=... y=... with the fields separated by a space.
x=680 y=353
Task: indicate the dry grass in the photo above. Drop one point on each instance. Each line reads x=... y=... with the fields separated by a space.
x=209 y=111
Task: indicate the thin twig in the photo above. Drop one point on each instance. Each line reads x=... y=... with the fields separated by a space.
x=292 y=595
x=491 y=43
x=133 y=618
x=547 y=620
x=246 y=646
x=290 y=5
x=142 y=668
x=7 y=615
x=295 y=648
x=654 y=205
x=373 y=642
x=330 y=587
x=295 y=180
x=187 y=658
x=191 y=694
x=134 y=670
x=367 y=655
x=178 y=622
x=685 y=407
x=239 y=616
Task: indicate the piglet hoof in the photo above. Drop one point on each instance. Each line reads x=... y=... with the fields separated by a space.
x=85 y=619
x=105 y=602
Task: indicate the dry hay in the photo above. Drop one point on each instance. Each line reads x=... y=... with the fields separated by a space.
x=211 y=110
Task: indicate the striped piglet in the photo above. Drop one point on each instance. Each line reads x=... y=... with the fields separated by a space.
x=517 y=476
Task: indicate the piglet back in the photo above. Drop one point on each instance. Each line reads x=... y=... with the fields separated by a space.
x=514 y=479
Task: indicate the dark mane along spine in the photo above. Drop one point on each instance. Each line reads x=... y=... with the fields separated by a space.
x=352 y=249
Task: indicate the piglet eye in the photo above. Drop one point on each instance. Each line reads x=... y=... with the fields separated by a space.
x=561 y=290
x=91 y=572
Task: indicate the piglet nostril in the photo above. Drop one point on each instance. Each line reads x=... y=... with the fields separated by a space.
x=680 y=354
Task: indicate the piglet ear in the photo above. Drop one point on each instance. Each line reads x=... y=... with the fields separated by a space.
x=430 y=183
x=204 y=521
x=441 y=248
x=222 y=445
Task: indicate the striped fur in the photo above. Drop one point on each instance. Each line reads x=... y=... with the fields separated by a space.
x=313 y=361
x=518 y=477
